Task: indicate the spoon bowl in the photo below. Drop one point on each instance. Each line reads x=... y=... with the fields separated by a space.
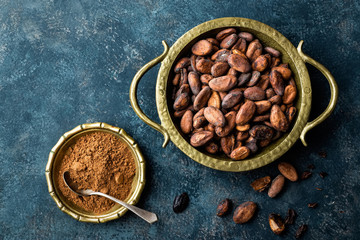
x=146 y=215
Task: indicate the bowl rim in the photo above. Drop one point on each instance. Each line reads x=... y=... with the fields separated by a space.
x=217 y=162
x=138 y=188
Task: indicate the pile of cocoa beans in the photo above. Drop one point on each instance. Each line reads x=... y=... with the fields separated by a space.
x=233 y=95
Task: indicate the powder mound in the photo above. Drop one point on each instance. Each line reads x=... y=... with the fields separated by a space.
x=99 y=161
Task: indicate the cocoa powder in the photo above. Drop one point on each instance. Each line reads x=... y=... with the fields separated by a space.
x=99 y=161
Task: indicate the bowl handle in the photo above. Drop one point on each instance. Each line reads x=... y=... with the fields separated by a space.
x=133 y=97
x=333 y=89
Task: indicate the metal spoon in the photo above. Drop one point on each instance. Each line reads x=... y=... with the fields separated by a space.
x=147 y=216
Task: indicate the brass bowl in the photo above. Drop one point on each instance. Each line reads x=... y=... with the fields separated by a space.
x=56 y=155
x=269 y=37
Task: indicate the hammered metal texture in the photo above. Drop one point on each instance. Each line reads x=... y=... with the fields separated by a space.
x=269 y=37
x=117 y=211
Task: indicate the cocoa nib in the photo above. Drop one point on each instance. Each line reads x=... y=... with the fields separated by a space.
x=301 y=230
x=305 y=175
x=290 y=217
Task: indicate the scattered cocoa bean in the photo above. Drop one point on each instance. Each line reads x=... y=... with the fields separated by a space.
x=276 y=186
x=276 y=223
x=288 y=171
x=261 y=184
x=181 y=202
x=224 y=207
x=244 y=212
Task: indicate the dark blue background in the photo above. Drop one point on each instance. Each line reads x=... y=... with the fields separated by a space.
x=64 y=63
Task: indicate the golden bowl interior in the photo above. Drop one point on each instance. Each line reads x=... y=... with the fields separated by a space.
x=57 y=154
x=268 y=37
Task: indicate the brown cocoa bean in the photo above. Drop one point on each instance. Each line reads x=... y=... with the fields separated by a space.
x=202 y=98
x=232 y=72
x=182 y=63
x=254 y=93
x=283 y=108
x=270 y=93
x=261 y=118
x=242 y=128
x=223 y=207
x=244 y=212
x=219 y=69
x=290 y=113
x=224 y=83
x=275 y=100
x=232 y=98
x=227 y=144
x=284 y=71
x=201 y=138
x=251 y=143
x=182 y=101
x=276 y=223
x=202 y=48
x=205 y=79
x=261 y=132
x=246 y=112
x=289 y=94
x=244 y=78
x=261 y=184
x=247 y=36
x=275 y=61
x=220 y=55
x=240 y=153
x=199 y=119
x=186 y=122
x=214 y=100
x=176 y=79
x=262 y=106
x=194 y=83
x=264 y=82
x=229 y=41
x=224 y=33
x=213 y=41
x=255 y=77
x=273 y=52
x=239 y=63
x=212 y=148
x=288 y=171
x=230 y=125
x=278 y=119
x=276 y=186
x=254 y=50
x=204 y=65
x=260 y=63
x=193 y=62
x=277 y=82
x=240 y=45
x=214 y=116
x=241 y=136
x=183 y=77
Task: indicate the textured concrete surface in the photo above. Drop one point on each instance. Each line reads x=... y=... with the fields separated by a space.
x=64 y=63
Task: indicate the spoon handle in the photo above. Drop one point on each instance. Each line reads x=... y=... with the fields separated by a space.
x=147 y=216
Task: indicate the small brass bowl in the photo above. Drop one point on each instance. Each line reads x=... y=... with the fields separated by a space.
x=57 y=154
x=269 y=37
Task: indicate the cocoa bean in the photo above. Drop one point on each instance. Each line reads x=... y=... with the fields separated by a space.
x=254 y=50
x=244 y=78
x=254 y=93
x=224 y=33
x=176 y=79
x=290 y=113
x=202 y=98
x=201 y=138
x=194 y=83
x=230 y=125
x=240 y=153
x=220 y=55
x=289 y=94
x=276 y=186
x=212 y=148
x=223 y=83
x=186 y=122
x=213 y=41
x=223 y=207
x=262 y=106
x=202 y=48
x=288 y=171
x=242 y=128
x=182 y=63
x=260 y=63
x=275 y=100
x=239 y=63
x=182 y=101
x=270 y=93
x=284 y=71
x=261 y=184
x=227 y=144
x=276 y=223
x=219 y=69
x=232 y=72
x=199 y=119
x=245 y=113
x=255 y=77
x=240 y=45
x=277 y=82
x=251 y=143
x=261 y=132
x=232 y=98
x=261 y=118
x=273 y=52
x=205 y=79
x=214 y=116
x=229 y=41
x=244 y=212
x=278 y=119
x=204 y=65
x=241 y=136
x=247 y=36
